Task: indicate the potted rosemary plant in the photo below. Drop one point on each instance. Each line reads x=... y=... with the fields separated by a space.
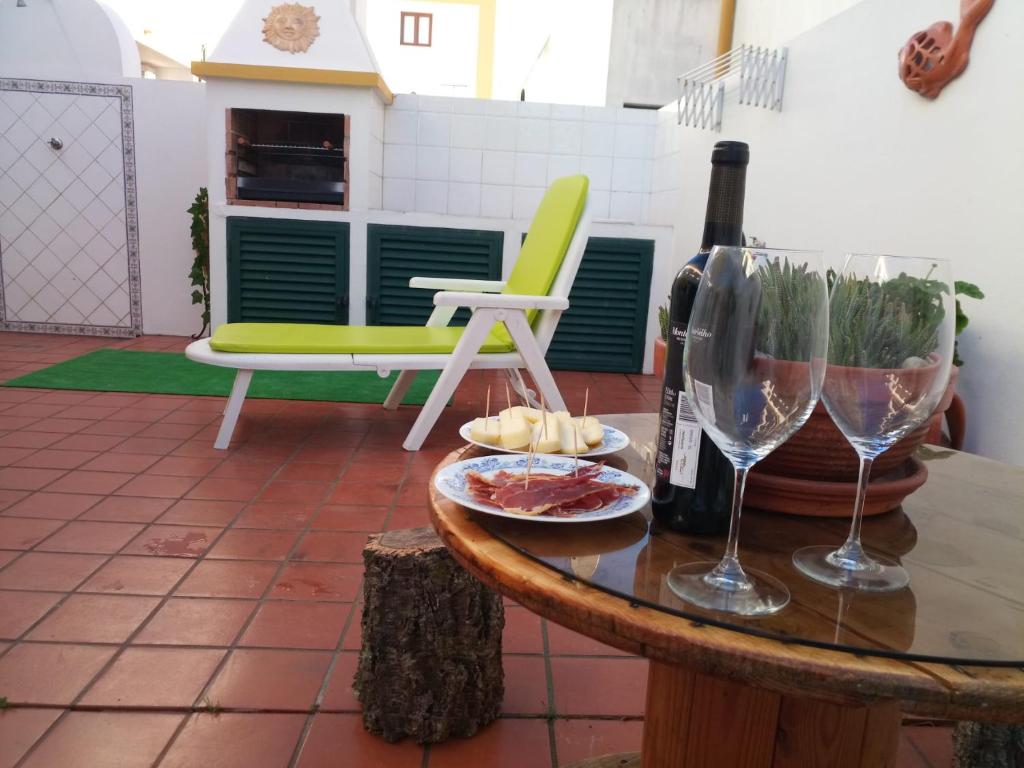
x=660 y=343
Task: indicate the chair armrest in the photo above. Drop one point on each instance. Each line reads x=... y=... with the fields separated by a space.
x=499 y=301
x=457 y=284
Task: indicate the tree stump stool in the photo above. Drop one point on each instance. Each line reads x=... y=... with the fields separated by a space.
x=430 y=662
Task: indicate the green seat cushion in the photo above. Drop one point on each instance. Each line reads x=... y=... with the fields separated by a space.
x=301 y=338
x=547 y=241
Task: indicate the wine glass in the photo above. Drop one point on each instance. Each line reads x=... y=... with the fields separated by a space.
x=753 y=365
x=890 y=348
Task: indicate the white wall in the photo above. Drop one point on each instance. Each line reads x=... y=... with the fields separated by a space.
x=857 y=162
x=170 y=155
x=573 y=69
x=494 y=159
x=446 y=68
x=773 y=23
x=653 y=41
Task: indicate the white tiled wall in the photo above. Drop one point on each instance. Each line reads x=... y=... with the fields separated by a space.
x=474 y=157
x=375 y=187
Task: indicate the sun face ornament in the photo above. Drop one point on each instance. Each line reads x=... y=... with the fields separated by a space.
x=291 y=27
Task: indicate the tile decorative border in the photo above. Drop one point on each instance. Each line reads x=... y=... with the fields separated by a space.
x=124 y=93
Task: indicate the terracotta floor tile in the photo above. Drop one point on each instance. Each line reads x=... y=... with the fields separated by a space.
x=154 y=677
x=340 y=741
x=59 y=424
x=192 y=512
x=522 y=632
x=90 y=537
x=87 y=442
x=19 y=729
x=230 y=740
x=155 y=446
x=350 y=518
x=169 y=430
x=23 y=439
x=9 y=497
x=127 y=509
x=376 y=473
x=319 y=454
x=908 y=756
x=94 y=619
x=50 y=673
x=306 y=471
x=157 y=486
x=183 y=466
x=339 y=695
x=54 y=506
x=20 y=610
x=261 y=679
x=331 y=546
x=579 y=739
x=294 y=492
x=245 y=544
x=371 y=494
x=49 y=571
x=318 y=581
x=19 y=422
x=115 y=428
x=48 y=459
x=564 y=641
x=6 y=555
x=27 y=479
x=121 y=462
x=353 y=640
x=935 y=743
x=137 y=576
x=292 y=517
x=11 y=456
x=105 y=740
x=296 y=625
x=173 y=541
x=526 y=685
x=94 y=412
x=228 y=578
x=408 y=517
x=502 y=744
x=196 y=621
x=83 y=481
x=226 y=489
x=582 y=686
x=244 y=470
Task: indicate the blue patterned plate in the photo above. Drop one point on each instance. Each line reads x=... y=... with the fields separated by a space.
x=451 y=481
x=614 y=441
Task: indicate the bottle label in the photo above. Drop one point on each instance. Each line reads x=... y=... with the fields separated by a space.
x=685 y=446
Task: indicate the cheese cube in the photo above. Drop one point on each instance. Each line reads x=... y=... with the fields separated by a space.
x=515 y=432
x=486 y=431
x=592 y=430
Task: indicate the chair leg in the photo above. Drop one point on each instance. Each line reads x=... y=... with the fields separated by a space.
x=520 y=331
x=399 y=388
x=233 y=408
x=459 y=362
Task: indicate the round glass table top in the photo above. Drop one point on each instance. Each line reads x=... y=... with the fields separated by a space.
x=961 y=537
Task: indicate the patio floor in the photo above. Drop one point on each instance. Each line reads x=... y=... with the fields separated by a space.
x=122 y=644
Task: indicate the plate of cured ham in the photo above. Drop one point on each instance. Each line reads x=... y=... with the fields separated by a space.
x=555 y=493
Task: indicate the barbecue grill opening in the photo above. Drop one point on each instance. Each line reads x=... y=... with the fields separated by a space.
x=297 y=157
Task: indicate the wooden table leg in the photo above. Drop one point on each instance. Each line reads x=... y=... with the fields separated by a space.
x=697 y=721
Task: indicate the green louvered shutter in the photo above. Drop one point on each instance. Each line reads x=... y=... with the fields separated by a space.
x=394 y=254
x=605 y=328
x=287 y=271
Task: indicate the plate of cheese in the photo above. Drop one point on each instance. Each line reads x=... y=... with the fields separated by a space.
x=520 y=429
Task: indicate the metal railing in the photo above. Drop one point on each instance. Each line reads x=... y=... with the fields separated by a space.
x=758 y=73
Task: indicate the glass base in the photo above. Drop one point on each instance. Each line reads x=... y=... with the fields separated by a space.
x=757 y=595
x=868 y=573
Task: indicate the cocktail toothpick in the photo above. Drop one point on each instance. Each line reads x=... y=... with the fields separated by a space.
x=543 y=418
x=508 y=397
x=586 y=402
x=487 y=408
x=529 y=465
x=576 y=450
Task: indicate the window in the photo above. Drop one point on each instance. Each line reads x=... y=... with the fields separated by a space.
x=417 y=28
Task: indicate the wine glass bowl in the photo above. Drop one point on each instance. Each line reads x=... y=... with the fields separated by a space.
x=890 y=351
x=753 y=367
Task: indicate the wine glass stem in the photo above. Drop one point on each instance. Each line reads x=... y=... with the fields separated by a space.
x=852 y=550
x=729 y=566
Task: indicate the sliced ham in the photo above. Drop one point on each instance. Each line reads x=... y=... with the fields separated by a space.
x=561 y=495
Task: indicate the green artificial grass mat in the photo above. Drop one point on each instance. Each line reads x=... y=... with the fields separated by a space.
x=171 y=373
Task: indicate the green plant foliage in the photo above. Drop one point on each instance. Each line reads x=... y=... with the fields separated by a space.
x=881 y=325
x=663 y=321
x=788 y=295
x=971 y=291
x=199 y=274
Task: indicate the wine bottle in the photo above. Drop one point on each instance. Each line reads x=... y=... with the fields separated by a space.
x=693 y=479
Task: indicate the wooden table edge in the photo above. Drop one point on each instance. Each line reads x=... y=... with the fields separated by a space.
x=938 y=690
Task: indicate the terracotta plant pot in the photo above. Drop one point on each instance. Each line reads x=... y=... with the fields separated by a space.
x=819 y=451
x=659 y=357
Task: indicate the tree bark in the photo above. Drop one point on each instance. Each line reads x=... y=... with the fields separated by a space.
x=988 y=745
x=430 y=663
